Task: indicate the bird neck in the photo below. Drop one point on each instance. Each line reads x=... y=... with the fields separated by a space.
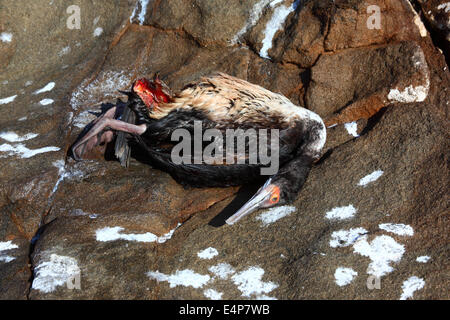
x=292 y=176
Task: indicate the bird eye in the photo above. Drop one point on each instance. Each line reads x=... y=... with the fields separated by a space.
x=274 y=199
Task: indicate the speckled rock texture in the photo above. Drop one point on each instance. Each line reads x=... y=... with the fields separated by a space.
x=371 y=222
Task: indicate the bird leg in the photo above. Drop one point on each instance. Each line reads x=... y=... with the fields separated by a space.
x=102 y=131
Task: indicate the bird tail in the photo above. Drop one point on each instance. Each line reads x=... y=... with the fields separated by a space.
x=121 y=149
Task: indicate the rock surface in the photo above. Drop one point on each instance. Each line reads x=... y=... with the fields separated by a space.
x=372 y=216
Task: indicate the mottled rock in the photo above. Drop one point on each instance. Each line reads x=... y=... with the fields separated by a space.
x=357 y=83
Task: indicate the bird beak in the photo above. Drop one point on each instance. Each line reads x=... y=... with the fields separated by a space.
x=259 y=200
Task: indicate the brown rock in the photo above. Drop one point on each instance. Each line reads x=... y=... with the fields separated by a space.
x=349 y=25
x=357 y=83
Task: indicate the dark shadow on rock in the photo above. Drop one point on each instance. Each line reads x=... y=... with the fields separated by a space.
x=244 y=194
x=371 y=123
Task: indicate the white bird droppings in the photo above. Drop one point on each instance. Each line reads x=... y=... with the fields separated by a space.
x=55 y=272
x=249 y=282
x=47 y=88
x=46 y=102
x=14 y=137
x=409 y=94
x=382 y=251
x=275 y=23
x=105 y=86
x=8 y=99
x=114 y=233
x=98 y=31
x=222 y=270
x=208 y=253
x=23 y=151
x=213 y=294
x=255 y=14
x=423 y=259
x=142 y=13
x=352 y=128
x=370 y=178
x=343 y=276
x=6 y=36
x=5 y=246
x=399 y=229
x=186 y=278
x=341 y=213
x=345 y=238
x=274 y=214
x=410 y=286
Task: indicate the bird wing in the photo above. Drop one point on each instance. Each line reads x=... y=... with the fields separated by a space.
x=228 y=100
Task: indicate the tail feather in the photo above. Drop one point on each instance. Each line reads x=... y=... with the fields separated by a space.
x=121 y=149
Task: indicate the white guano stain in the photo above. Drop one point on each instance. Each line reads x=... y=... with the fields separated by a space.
x=104 y=86
x=343 y=276
x=275 y=23
x=6 y=37
x=341 y=213
x=222 y=270
x=46 y=102
x=352 y=128
x=114 y=233
x=48 y=87
x=410 y=286
x=409 y=94
x=186 y=278
x=275 y=214
x=141 y=16
x=383 y=250
x=374 y=176
x=8 y=99
x=250 y=283
x=399 y=229
x=64 y=51
x=213 y=294
x=14 y=137
x=64 y=173
x=345 y=238
x=6 y=246
x=423 y=259
x=23 y=151
x=208 y=253
x=98 y=31
x=54 y=272
x=255 y=15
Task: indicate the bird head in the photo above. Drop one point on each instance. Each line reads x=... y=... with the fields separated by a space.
x=282 y=188
x=152 y=92
x=271 y=194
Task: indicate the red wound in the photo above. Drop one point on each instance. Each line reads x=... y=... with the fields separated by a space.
x=151 y=92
